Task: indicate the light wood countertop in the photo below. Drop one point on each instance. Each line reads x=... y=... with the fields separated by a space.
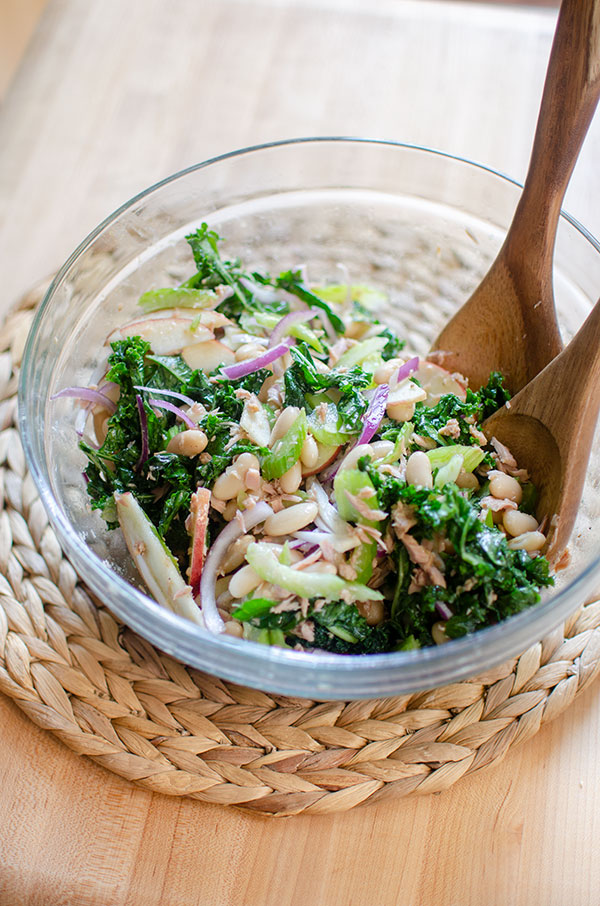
x=109 y=98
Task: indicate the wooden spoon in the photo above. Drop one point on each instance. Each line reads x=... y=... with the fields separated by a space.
x=509 y=323
x=549 y=426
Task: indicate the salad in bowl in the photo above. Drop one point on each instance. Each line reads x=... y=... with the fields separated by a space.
x=285 y=470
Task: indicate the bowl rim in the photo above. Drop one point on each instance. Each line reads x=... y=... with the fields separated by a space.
x=319 y=676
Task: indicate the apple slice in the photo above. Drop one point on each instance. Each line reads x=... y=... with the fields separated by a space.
x=438 y=382
x=208 y=355
x=156 y=565
x=326 y=456
x=199 y=509
x=167 y=336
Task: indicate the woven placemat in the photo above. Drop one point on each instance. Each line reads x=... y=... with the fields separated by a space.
x=110 y=695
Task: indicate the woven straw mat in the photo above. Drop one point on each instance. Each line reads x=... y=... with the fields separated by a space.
x=110 y=695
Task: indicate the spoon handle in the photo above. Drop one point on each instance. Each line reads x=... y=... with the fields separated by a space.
x=570 y=97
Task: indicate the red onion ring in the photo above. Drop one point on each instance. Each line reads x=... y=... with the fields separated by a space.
x=241 y=369
x=240 y=525
x=374 y=414
x=407 y=369
x=170 y=407
x=281 y=329
x=86 y=393
x=178 y=396
x=144 y=432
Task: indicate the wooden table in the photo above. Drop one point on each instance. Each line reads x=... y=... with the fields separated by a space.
x=110 y=97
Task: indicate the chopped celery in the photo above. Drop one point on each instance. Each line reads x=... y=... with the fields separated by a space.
x=362 y=560
x=353 y=481
x=449 y=472
x=441 y=456
x=285 y=555
x=339 y=293
x=300 y=331
x=178 y=297
x=155 y=562
x=327 y=430
x=286 y=451
x=305 y=584
x=364 y=351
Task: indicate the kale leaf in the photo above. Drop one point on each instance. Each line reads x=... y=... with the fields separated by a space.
x=303 y=378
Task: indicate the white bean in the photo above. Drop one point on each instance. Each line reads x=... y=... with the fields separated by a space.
x=505 y=486
x=384 y=373
x=418 y=470
x=351 y=459
x=227 y=486
x=284 y=423
x=290 y=481
x=321 y=566
x=248 y=351
x=291 y=519
x=309 y=454
x=243 y=463
x=372 y=611
x=232 y=627
x=517 y=523
x=467 y=480
x=382 y=448
x=243 y=582
x=528 y=541
x=236 y=554
x=188 y=443
x=438 y=632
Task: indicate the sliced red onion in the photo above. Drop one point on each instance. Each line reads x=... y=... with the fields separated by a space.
x=173 y=393
x=144 y=432
x=407 y=369
x=238 y=526
x=241 y=369
x=170 y=407
x=327 y=325
x=281 y=330
x=374 y=414
x=86 y=393
x=443 y=610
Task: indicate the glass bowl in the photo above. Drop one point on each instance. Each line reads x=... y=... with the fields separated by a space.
x=422 y=225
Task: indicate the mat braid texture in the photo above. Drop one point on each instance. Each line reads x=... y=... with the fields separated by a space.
x=108 y=694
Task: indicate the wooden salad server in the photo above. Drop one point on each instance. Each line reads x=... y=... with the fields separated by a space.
x=549 y=427
x=509 y=323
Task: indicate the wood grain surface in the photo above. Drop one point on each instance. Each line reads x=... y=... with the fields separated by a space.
x=110 y=97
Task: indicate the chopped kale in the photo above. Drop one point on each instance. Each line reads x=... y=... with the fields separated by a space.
x=303 y=378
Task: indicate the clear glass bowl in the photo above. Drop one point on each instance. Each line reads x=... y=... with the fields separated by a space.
x=418 y=223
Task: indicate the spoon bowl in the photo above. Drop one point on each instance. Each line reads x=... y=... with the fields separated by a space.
x=549 y=427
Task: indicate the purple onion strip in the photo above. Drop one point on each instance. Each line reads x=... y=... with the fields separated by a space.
x=374 y=414
x=86 y=393
x=144 y=432
x=170 y=407
x=241 y=369
x=407 y=369
x=282 y=328
x=443 y=610
x=178 y=396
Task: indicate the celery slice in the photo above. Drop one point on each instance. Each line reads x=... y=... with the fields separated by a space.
x=327 y=430
x=300 y=331
x=353 y=481
x=178 y=297
x=365 y=351
x=449 y=472
x=441 y=456
x=302 y=582
x=286 y=451
x=154 y=560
